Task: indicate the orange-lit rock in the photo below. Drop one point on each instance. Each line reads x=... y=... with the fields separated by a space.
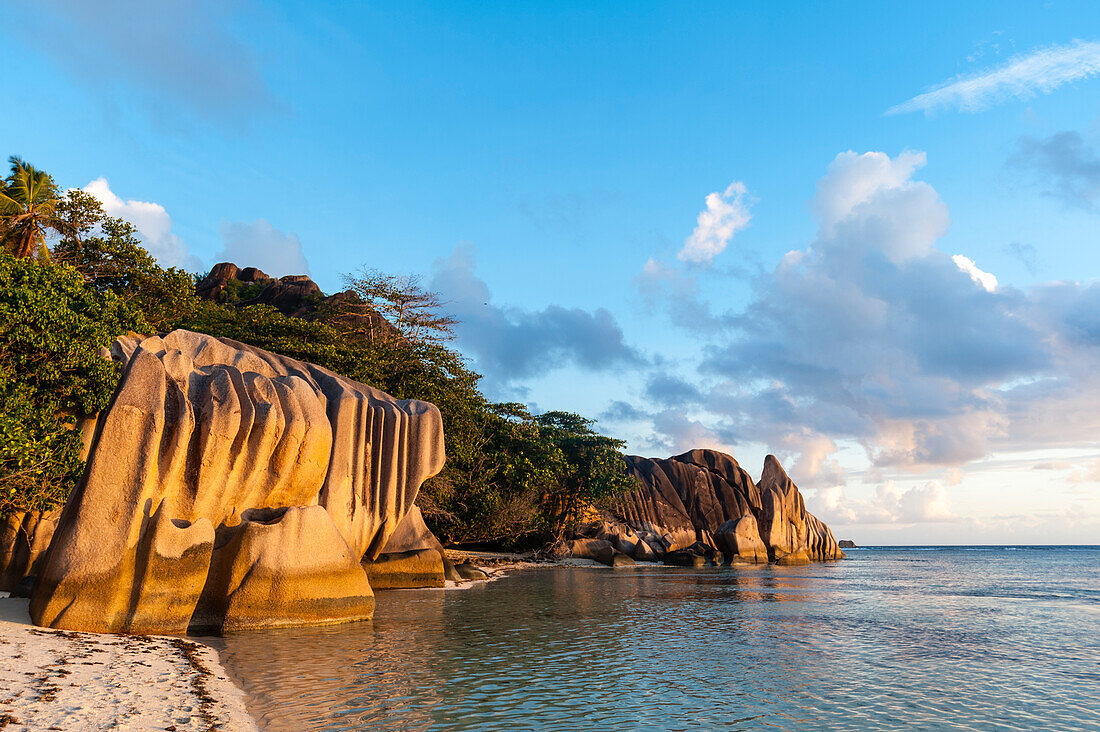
x=202 y=433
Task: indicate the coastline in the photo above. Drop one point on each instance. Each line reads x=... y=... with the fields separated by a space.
x=500 y=564
x=63 y=680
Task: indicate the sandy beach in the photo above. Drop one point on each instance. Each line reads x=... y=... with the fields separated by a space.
x=61 y=680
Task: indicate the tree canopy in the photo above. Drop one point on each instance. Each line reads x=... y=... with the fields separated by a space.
x=28 y=209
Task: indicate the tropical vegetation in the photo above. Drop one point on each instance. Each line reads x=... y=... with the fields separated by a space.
x=72 y=279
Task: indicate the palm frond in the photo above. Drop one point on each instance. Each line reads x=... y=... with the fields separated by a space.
x=8 y=205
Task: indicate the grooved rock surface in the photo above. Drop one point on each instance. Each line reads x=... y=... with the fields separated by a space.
x=408 y=559
x=740 y=539
x=24 y=538
x=404 y=570
x=705 y=497
x=229 y=487
x=251 y=573
x=412 y=534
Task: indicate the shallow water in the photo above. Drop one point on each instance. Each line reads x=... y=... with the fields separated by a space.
x=941 y=638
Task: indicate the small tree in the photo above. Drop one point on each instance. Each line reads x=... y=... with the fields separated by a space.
x=415 y=314
x=593 y=468
x=108 y=254
x=28 y=209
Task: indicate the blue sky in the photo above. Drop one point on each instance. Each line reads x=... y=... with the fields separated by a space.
x=545 y=167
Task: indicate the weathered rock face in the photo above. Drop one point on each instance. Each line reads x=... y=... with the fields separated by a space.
x=741 y=540
x=704 y=497
x=400 y=570
x=412 y=557
x=24 y=538
x=229 y=487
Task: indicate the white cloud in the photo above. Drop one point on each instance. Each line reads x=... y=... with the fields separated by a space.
x=1039 y=72
x=726 y=214
x=987 y=281
x=153 y=223
x=259 y=244
x=870 y=202
x=919 y=504
x=854 y=180
x=927 y=503
x=872 y=335
x=1089 y=473
x=815 y=465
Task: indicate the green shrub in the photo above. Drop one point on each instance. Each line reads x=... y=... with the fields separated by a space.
x=52 y=373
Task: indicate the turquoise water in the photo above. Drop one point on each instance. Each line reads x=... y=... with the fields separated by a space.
x=999 y=638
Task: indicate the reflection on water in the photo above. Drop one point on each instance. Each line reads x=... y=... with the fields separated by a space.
x=885 y=640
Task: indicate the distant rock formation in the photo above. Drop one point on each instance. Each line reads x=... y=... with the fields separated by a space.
x=293 y=295
x=222 y=275
x=847 y=544
x=703 y=502
x=228 y=487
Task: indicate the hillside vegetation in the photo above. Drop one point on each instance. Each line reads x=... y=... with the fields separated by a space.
x=73 y=279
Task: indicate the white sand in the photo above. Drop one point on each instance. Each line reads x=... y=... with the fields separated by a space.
x=60 y=680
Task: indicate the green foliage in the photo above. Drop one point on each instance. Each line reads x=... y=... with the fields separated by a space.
x=109 y=256
x=525 y=477
x=39 y=455
x=592 y=467
x=52 y=373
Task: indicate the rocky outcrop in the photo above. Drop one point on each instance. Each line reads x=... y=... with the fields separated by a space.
x=740 y=540
x=702 y=502
x=412 y=557
x=228 y=487
x=468 y=571
x=226 y=275
x=847 y=544
x=403 y=570
x=294 y=295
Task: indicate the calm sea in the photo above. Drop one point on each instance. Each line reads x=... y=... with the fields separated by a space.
x=935 y=638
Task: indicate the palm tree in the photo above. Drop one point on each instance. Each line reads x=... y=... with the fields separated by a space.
x=28 y=207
